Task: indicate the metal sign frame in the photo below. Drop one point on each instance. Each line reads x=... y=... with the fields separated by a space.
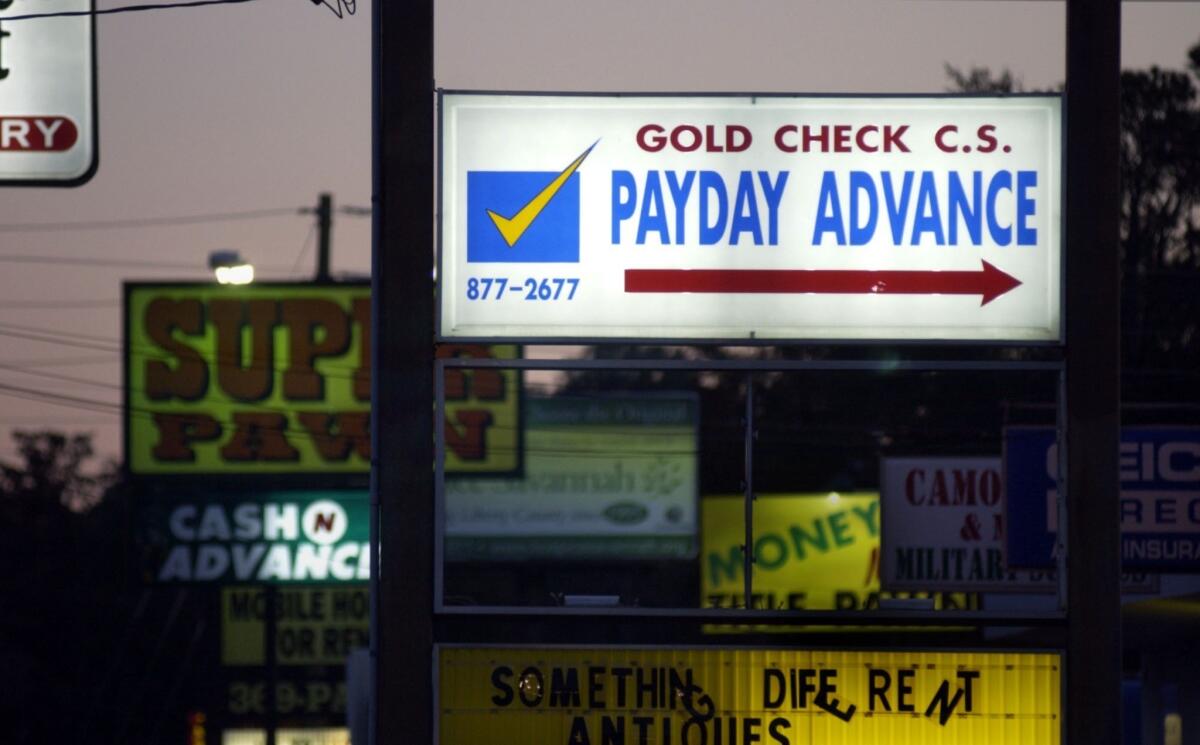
x=728 y=615
x=900 y=648
x=405 y=624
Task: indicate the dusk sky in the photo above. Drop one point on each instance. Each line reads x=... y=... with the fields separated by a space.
x=260 y=106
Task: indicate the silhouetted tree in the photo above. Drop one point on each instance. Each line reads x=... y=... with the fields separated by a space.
x=52 y=476
x=1160 y=232
x=61 y=546
x=1160 y=225
x=981 y=80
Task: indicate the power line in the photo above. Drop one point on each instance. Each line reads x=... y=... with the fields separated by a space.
x=57 y=332
x=48 y=339
x=292 y=436
x=60 y=399
x=312 y=231
x=18 y=421
x=125 y=9
x=142 y=352
x=58 y=304
x=42 y=395
x=147 y=222
x=65 y=361
x=59 y=376
x=301 y=435
x=27 y=259
x=137 y=263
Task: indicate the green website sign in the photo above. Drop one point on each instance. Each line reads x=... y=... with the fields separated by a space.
x=612 y=477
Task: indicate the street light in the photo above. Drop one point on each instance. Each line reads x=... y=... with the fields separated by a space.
x=230 y=268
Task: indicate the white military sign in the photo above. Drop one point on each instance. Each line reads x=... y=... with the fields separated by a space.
x=47 y=92
x=750 y=218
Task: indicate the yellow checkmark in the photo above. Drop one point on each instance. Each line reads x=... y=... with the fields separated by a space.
x=512 y=228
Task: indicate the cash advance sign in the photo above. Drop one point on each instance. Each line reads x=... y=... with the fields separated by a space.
x=751 y=218
x=275 y=379
x=276 y=537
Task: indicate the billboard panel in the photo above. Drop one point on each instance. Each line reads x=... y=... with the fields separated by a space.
x=812 y=552
x=1159 y=469
x=275 y=380
x=506 y=696
x=750 y=218
x=612 y=477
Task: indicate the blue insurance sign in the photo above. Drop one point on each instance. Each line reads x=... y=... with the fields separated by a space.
x=1160 y=497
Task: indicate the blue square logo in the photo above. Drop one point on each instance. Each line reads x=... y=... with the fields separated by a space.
x=551 y=236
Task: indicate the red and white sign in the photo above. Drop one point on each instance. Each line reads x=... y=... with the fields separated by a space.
x=750 y=218
x=942 y=528
x=47 y=93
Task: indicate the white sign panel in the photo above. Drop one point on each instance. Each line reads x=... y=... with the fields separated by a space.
x=750 y=218
x=942 y=528
x=47 y=93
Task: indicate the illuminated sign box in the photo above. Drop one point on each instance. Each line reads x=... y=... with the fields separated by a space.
x=48 y=134
x=275 y=380
x=516 y=696
x=273 y=537
x=611 y=477
x=288 y=736
x=750 y=218
x=312 y=693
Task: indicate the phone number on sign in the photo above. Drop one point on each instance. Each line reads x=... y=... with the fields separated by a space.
x=497 y=288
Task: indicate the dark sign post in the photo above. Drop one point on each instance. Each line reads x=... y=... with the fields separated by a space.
x=402 y=381
x=1093 y=393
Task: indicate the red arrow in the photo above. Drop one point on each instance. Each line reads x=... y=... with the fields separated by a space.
x=989 y=282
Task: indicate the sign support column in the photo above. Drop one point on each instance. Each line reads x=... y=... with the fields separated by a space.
x=402 y=381
x=1093 y=372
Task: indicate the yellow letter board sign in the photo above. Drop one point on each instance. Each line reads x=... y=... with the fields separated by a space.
x=276 y=379
x=316 y=626
x=504 y=696
x=812 y=552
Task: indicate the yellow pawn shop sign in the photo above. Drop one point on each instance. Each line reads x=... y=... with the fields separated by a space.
x=596 y=696
x=274 y=379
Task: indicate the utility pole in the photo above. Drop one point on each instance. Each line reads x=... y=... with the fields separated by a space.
x=324 y=212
